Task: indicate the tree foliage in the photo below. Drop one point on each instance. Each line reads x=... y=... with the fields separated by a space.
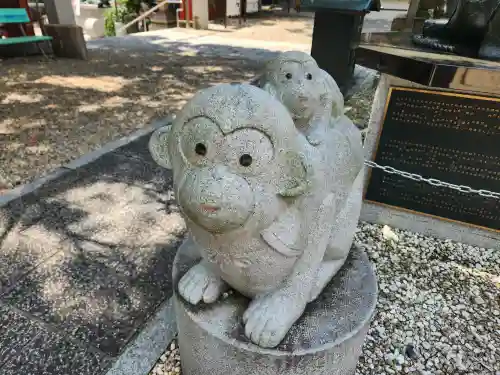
x=135 y=6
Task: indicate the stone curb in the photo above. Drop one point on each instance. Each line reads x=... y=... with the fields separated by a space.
x=28 y=188
x=143 y=352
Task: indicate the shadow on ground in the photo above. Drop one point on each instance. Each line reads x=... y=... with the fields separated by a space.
x=277 y=16
x=296 y=27
x=52 y=111
x=84 y=262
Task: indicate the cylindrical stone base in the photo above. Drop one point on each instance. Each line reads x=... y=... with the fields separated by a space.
x=326 y=340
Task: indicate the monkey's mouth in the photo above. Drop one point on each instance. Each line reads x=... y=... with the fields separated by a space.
x=209 y=208
x=212 y=205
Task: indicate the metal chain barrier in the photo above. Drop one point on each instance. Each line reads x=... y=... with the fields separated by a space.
x=432 y=181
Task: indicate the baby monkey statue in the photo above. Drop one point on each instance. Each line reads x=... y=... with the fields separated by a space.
x=271 y=209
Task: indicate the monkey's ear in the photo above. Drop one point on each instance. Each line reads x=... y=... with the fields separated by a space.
x=158 y=146
x=333 y=96
x=296 y=175
x=269 y=88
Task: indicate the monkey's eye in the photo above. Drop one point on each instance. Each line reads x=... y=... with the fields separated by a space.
x=288 y=76
x=200 y=149
x=199 y=141
x=245 y=160
x=247 y=151
x=309 y=76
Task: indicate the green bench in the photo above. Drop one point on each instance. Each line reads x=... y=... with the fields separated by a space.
x=19 y=16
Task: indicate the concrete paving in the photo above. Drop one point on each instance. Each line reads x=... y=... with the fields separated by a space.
x=86 y=261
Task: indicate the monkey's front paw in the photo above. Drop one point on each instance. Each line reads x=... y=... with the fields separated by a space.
x=317 y=135
x=314 y=140
x=269 y=318
x=201 y=284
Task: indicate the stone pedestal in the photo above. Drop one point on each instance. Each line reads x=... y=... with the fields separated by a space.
x=327 y=340
x=68 y=41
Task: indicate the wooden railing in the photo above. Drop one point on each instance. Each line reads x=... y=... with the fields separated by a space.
x=154 y=9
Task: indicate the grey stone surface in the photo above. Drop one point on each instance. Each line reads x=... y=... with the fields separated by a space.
x=326 y=340
x=399 y=218
x=83 y=298
x=271 y=192
x=316 y=104
x=89 y=256
x=50 y=353
x=16 y=331
x=24 y=243
x=29 y=188
x=28 y=347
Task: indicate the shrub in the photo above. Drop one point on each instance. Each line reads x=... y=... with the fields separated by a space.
x=112 y=15
x=126 y=11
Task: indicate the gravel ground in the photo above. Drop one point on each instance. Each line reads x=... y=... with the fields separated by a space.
x=439 y=305
x=170 y=362
x=438 y=310
x=53 y=111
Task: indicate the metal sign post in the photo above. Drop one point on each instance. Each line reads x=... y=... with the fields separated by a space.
x=336 y=35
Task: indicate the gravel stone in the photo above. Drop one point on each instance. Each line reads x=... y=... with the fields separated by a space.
x=438 y=310
x=439 y=293
x=169 y=363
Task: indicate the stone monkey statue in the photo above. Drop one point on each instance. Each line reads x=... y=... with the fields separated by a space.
x=259 y=202
x=316 y=104
x=310 y=94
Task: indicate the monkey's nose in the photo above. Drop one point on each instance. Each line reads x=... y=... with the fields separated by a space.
x=300 y=93
x=217 y=173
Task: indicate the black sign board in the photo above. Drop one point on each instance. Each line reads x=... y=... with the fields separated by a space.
x=342 y=5
x=441 y=135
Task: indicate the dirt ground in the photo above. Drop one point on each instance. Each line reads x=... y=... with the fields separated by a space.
x=53 y=111
x=279 y=25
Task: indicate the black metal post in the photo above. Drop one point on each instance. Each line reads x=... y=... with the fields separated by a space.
x=336 y=35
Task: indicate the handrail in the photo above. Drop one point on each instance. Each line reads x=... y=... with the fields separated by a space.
x=393 y=9
x=145 y=14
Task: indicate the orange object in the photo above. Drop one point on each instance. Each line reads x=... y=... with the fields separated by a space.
x=184 y=7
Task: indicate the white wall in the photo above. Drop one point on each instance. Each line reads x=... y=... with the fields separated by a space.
x=91 y=19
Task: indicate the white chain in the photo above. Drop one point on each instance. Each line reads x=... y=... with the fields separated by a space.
x=433 y=181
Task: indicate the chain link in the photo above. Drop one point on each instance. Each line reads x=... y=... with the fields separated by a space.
x=432 y=181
